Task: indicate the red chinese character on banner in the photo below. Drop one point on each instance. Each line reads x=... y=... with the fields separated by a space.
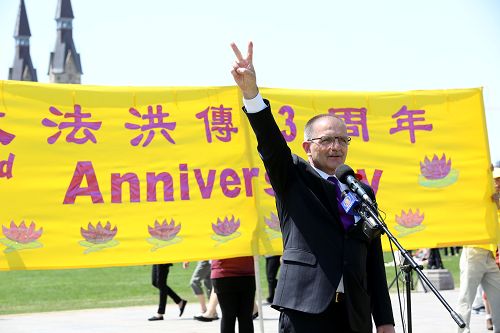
x=5 y=138
x=406 y=121
x=354 y=119
x=155 y=120
x=222 y=122
x=77 y=125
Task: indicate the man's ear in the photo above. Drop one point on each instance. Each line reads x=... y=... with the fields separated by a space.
x=306 y=145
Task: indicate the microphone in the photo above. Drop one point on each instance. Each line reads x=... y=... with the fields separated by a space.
x=350 y=202
x=352 y=205
x=345 y=174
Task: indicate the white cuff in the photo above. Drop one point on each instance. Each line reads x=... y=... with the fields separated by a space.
x=255 y=104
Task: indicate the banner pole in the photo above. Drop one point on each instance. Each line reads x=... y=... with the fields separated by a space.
x=258 y=292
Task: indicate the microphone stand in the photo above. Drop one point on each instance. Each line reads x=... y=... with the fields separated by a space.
x=369 y=215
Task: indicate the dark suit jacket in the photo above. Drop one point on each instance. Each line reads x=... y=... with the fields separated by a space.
x=317 y=250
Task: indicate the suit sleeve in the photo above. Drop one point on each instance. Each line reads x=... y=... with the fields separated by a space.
x=272 y=148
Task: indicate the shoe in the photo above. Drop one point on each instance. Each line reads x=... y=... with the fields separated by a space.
x=478 y=310
x=255 y=315
x=154 y=318
x=205 y=319
x=182 y=306
x=489 y=325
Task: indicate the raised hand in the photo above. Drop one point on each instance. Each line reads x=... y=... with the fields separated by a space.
x=244 y=73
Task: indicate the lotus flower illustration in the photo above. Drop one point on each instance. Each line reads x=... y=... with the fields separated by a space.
x=410 y=222
x=273 y=223
x=21 y=237
x=226 y=229
x=163 y=234
x=98 y=238
x=437 y=173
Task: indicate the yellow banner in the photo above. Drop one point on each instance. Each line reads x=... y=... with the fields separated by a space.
x=106 y=176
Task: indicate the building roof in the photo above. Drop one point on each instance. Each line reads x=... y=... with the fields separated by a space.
x=22 y=69
x=64 y=9
x=22 y=26
x=64 y=43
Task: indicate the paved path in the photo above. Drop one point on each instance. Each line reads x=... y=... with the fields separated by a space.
x=428 y=316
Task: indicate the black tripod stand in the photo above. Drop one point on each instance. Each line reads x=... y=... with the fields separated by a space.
x=402 y=269
x=370 y=216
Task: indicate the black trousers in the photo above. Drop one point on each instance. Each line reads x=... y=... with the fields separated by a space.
x=272 y=267
x=159 y=280
x=332 y=320
x=236 y=298
x=434 y=260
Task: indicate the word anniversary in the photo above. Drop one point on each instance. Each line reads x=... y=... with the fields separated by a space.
x=231 y=183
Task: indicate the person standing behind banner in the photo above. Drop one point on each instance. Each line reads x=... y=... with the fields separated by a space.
x=332 y=278
x=233 y=281
x=159 y=276
x=478 y=266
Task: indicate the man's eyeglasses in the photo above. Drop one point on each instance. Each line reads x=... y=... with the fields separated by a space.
x=327 y=141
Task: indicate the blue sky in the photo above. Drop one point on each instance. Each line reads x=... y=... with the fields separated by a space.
x=329 y=45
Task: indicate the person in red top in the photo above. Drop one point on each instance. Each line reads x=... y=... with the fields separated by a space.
x=233 y=281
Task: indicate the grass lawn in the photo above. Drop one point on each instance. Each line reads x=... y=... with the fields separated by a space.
x=53 y=290
x=451 y=263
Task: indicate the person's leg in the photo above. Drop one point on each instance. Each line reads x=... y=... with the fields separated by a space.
x=491 y=285
x=471 y=273
x=245 y=307
x=195 y=283
x=211 y=313
x=205 y=277
x=478 y=304
x=487 y=309
x=157 y=279
x=162 y=276
x=228 y=301
x=439 y=261
x=207 y=282
x=201 y=300
x=167 y=291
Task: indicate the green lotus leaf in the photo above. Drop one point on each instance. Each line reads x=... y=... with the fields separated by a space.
x=451 y=178
x=403 y=232
x=224 y=239
x=158 y=243
x=91 y=247
x=15 y=246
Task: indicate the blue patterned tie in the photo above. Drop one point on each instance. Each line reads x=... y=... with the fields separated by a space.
x=346 y=219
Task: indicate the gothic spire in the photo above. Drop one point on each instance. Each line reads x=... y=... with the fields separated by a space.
x=22 y=69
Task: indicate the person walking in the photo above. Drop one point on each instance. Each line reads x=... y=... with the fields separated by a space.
x=159 y=275
x=201 y=275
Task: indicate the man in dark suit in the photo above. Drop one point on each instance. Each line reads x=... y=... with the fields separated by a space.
x=332 y=278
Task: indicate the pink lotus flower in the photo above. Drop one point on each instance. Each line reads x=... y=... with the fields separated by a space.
x=273 y=222
x=98 y=235
x=410 y=219
x=226 y=227
x=164 y=231
x=435 y=169
x=22 y=234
